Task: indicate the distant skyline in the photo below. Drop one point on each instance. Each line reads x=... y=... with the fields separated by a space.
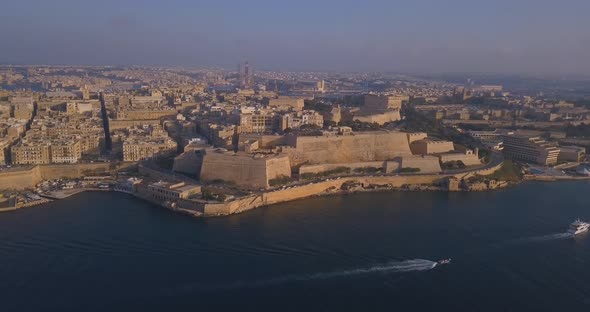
x=421 y=36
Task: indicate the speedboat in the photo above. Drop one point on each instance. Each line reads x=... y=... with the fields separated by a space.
x=578 y=227
x=444 y=261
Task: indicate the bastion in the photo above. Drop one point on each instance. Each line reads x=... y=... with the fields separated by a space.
x=243 y=169
x=351 y=148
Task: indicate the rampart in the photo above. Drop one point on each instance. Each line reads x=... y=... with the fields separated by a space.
x=326 y=187
x=326 y=167
x=303 y=191
x=244 y=169
x=357 y=147
x=19 y=179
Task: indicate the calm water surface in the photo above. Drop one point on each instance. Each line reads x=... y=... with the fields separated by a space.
x=364 y=252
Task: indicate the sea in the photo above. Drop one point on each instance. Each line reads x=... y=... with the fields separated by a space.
x=103 y=251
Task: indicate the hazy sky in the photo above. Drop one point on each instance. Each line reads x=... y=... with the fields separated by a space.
x=372 y=35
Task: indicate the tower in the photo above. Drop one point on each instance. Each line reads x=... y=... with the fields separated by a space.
x=245 y=76
x=321 y=85
x=85 y=93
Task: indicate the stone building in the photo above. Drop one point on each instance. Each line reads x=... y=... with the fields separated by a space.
x=287 y=103
x=530 y=149
x=297 y=119
x=354 y=147
x=571 y=153
x=244 y=169
x=172 y=192
x=427 y=146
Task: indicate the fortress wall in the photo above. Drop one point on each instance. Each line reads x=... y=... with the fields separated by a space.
x=304 y=191
x=416 y=136
x=28 y=178
x=325 y=167
x=20 y=179
x=188 y=163
x=265 y=141
x=278 y=167
x=426 y=147
x=393 y=166
x=427 y=164
x=482 y=172
x=56 y=171
x=468 y=160
x=300 y=192
x=359 y=147
x=244 y=170
x=236 y=206
x=308 y=190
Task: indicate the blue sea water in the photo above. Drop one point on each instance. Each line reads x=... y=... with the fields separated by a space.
x=362 y=252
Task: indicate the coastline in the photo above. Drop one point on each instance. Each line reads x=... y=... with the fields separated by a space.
x=331 y=187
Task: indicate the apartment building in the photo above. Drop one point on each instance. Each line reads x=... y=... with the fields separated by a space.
x=531 y=149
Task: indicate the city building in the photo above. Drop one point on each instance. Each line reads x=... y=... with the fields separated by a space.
x=530 y=149
x=302 y=118
x=258 y=122
x=571 y=153
x=287 y=103
x=172 y=192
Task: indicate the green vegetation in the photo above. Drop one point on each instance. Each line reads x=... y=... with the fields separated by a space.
x=280 y=180
x=409 y=170
x=368 y=170
x=338 y=170
x=361 y=126
x=454 y=164
x=485 y=154
x=208 y=195
x=317 y=106
x=309 y=127
x=221 y=181
x=508 y=172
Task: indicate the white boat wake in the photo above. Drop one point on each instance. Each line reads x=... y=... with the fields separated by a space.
x=390 y=267
x=395 y=266
x=542 y=238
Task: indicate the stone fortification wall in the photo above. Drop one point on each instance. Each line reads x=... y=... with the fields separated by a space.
x=321 y=187
x=244 y=170
x=56 y=171
x=426 y=164
x=358 y=147
x=265 y=141
x=308 y=190
x=189 y=162
x=325 y=167
x=19 y=179
x=481 y=172
x=426 y=147
x=467 y=159
x=416 y=136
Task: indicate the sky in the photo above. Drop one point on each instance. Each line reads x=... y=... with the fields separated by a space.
x=421 y=36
